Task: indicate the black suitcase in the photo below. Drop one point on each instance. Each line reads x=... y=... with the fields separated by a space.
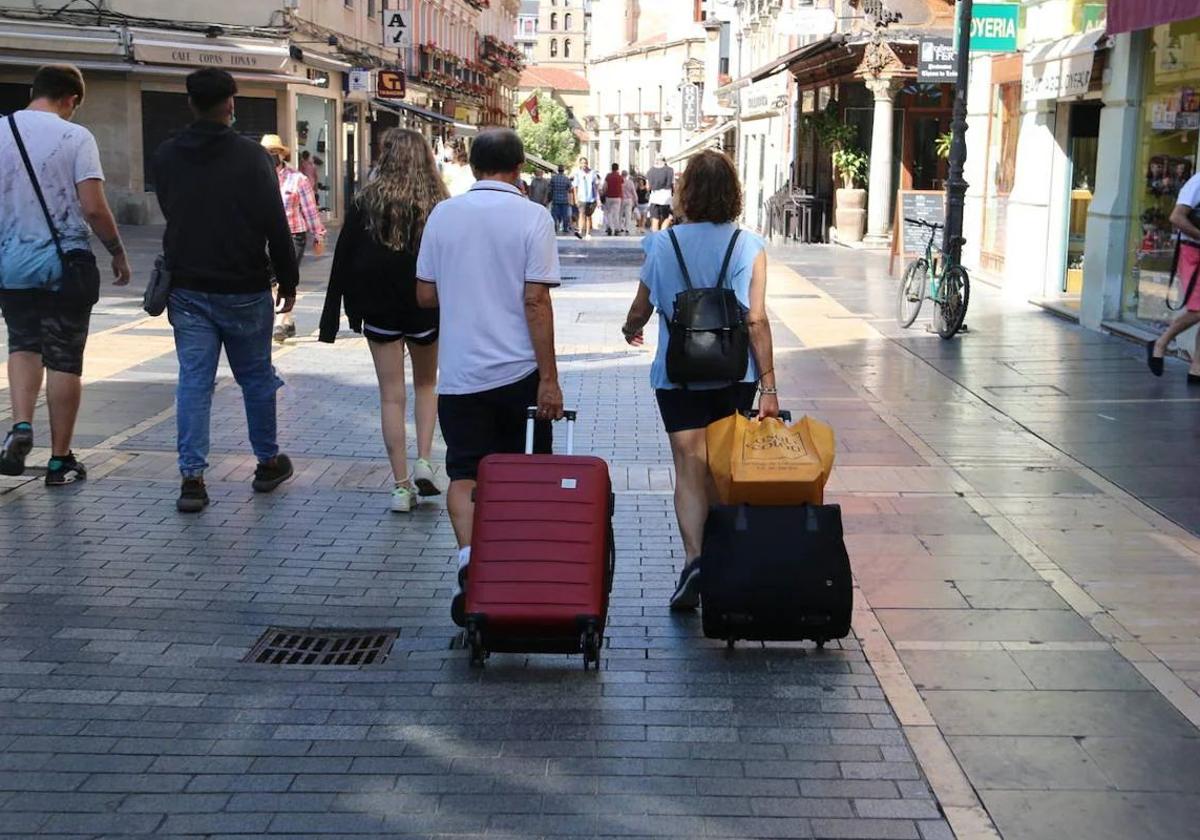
x=775 y=574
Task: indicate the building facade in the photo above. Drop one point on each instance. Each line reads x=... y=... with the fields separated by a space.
x=646 y=76
x=1078 y=145
x=307 y=70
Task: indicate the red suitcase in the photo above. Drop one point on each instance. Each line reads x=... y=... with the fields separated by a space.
x=541 y=554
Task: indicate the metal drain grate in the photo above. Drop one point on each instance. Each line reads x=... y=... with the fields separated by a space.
x=309 y=646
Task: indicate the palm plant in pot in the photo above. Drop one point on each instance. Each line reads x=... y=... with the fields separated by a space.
x=850 y=165
x=851 y=217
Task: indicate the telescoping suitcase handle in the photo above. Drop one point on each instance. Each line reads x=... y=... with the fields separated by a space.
x=531 y=415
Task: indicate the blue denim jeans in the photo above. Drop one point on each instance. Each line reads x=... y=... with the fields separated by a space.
x=562 y=216
x=204 y=323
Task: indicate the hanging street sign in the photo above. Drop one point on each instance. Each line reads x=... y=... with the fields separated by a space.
x=935 y=61
x=994 y=27
x=395 y=31
x=691 y=107
x=390 y=84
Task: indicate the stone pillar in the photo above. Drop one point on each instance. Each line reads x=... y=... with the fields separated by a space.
x=879 y=200
x=1106 y=251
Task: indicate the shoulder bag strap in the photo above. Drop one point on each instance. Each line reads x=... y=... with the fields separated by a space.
x=728 y=257
x=37 y=188
x=687 y=278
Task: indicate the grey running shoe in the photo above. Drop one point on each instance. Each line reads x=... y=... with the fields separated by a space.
x=17 y=445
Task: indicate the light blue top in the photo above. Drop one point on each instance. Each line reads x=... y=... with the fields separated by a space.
x=703 y=245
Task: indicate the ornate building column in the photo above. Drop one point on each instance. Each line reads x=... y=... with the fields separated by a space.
x=879 y=197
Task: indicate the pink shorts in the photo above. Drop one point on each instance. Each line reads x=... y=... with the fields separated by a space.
x=1189 y=264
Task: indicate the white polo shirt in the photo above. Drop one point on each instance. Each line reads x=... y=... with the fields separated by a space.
x=480 y=249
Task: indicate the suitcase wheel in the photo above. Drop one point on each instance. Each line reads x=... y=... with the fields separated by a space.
x=475 y=645
x=820 y=644
x=590 y=642
x=730 y=644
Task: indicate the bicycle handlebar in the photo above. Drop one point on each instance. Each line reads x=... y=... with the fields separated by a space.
x=923 y=223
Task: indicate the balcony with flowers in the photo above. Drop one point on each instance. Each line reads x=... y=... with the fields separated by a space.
x=501 y=56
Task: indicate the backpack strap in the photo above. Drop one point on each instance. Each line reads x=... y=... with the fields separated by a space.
x=37 y=187
x=687 y=278
x=728 y=257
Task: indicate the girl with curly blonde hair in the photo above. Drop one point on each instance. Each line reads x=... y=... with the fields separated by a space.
x=375 y=274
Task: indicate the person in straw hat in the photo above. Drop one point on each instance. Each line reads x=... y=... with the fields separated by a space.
x=300 y=203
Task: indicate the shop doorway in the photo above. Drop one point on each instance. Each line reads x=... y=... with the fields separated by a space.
x=315 y=134
x=1081 y=144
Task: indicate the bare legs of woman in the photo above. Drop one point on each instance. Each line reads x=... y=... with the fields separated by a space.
x=389 y=370
x=689 y=449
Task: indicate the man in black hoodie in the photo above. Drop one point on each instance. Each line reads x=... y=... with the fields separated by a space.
x=220 y=195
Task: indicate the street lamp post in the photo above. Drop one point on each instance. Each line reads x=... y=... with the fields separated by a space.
x=956 y=185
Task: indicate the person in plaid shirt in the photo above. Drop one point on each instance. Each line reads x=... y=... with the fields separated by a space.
x=300 y=204
x=561 y=191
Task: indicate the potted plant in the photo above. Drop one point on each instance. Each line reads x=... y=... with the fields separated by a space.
x=851 y=215
x=850 y=164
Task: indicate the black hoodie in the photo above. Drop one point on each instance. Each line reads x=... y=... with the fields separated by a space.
x=220 y=194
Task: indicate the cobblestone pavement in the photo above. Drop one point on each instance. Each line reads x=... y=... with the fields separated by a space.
x=1025 y=657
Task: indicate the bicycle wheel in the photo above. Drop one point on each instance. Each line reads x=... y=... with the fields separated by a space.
x=912 y=292
x=955 y=295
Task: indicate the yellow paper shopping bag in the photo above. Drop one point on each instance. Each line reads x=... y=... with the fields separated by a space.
x=768 y=462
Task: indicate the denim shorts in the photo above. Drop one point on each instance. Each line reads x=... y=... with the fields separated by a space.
x=38 y=323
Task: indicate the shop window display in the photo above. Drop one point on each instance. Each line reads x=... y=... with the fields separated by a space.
x=1004 y=132
x=1168 y=138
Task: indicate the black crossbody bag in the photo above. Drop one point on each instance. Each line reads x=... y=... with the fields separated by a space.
x=80 y=286
x=708 y=337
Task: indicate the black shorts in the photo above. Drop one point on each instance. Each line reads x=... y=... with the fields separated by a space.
x=475 y=425
x=381 y=336
x=660 y=212
x=589 y=207
x=37 y=323
x=683 y=410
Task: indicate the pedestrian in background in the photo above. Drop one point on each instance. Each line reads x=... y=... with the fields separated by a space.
x=614 y=190
x=661 y=180
x=1187 y=270
x=308 y=168
x=47 y=332
x=220 y=195
x=375 y=272
x=643 y=205
x=628 y=201
x=710 y=197
x=300 y=204
x=456 y=173
x=497 y=323
x=539 y=189
x=586 y=184
x=560 y=200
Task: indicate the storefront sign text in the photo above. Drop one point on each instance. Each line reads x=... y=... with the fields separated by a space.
x=1057 y=79
x=691 y=107
x=994 y=27
x=358 y=81
x=391 y=84
x=936 y=61
x=228 y=57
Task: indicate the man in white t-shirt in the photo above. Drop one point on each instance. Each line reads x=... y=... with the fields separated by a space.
x=488 y=260
x=586 y=183
x=44 y=333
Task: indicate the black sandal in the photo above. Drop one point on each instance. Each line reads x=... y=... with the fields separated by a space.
x=1155 y=362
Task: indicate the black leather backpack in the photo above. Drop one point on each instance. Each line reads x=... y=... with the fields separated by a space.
x=709 y=340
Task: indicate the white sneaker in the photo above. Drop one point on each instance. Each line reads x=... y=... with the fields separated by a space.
x=423 y=476
x=403 y=499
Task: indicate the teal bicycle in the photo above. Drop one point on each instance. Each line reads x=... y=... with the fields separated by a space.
x=937 y=277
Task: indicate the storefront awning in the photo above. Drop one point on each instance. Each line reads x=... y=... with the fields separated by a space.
x=1129 y=15
x=540 y=163
x=59 y=38
x=399 y=105
x=94 y=65
x=701 y=142
x=154 y=46
x=1062 y=68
